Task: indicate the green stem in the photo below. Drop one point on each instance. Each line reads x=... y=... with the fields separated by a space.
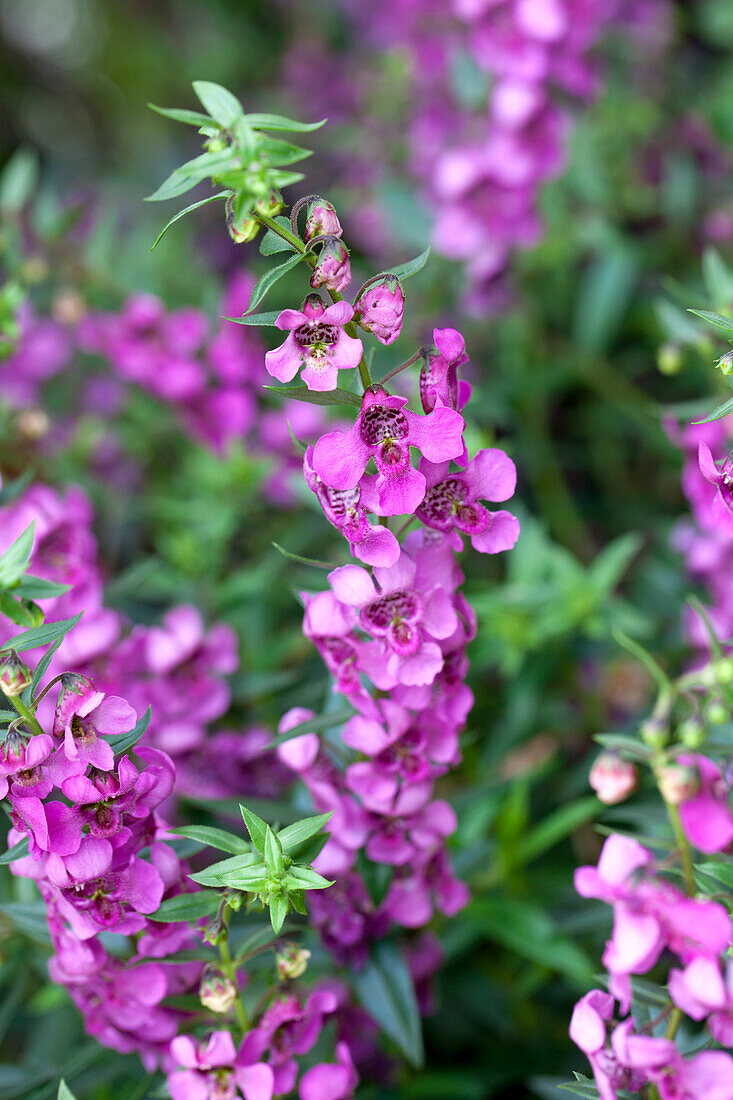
x=281 y=231
x=684 y=850
x=29 y=716
x=230 y=971
x=402 y=366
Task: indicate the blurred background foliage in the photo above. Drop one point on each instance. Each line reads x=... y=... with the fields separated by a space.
x=567 y=377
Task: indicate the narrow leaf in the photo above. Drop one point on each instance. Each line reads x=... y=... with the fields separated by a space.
x=313 y=725
x=279 y=122
x=16 y=852
x=404 y=271
x=42 y=635
x=187 y=210
x=273 y=852
x=270 y=277
x=192 y=118
x=304 y=878
x=221 y=104
x=188 y=907
x=14 y=561
x=177 y=183
x=225 y=868
x=279 y=905
x=213 y=838
x=303 y=561
x=715 y=319
x=40 y=670
x=64 y=1092
x=296 y=833
x=36 y=588
x=386 y=991
x=121 y=742
x=257 y=318
x=256 y=828
x=717 y=413
x=318 y=397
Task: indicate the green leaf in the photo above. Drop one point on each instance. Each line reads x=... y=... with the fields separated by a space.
x=40 y=671
x=13 y=489
x=280 y=152
x=404 y=271
x=279 y=122
x=715 y=319
x=192 y=118
x=187 y=210
x=627 y=746
x=20 y=611
x=213 y=838
x=613 y=561
x=320 y=724
x=42 y=635
x=256 y=828
x=305 y=878
x=717 y=413
x=18 y=180
x=279 y=906
x=273 y=853
x=28 y=918
x=36 y=588
x=386 y=991
x=177 y=183
x=220 y=874
x=717 y=869
x=221 y=104
x=121 y=742
x=718 y=279
x=18 y=851
x=270 y=277
x=318 y=397
x=257 y=318
x=14 y=561
x=300 y=831
x=188 y=907
x=272 y=242
x=605 y=294
x=553 y=828
x=64 y=1092
x=582 y=1087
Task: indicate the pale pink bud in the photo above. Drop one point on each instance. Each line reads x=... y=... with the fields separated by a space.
x=321 y=220
x=14 y=675
x=291 y=961
x=677 y=783
x=333 y=269
x=612 y=778
x=216 y=992
x=380 y=309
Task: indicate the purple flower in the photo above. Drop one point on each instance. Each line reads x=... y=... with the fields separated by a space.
x=317 y=343
x=329 y=1081
x=380 y=309
x=346 y=509
x=385 y=431
x=333 y=269
x=452 y=500
x=701 y=991
x=438 y=377
x=588 y=1031
x=407 y=614
x=84 y=718
x=706 y=817
x=721 y=510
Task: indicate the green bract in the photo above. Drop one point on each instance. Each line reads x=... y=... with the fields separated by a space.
x=239 y=156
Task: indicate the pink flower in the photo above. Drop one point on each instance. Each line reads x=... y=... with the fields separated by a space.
x=701 y=991
x=404 y=612
x=83 y=718
x=329 y=1081
x=317 y=343
x=385 y=431
x=588 y=1031
x=380 y=309
x=438 y=378
x=612 y=778
x=706 y=817
x=451 y=500
x=346 y=510
x=721 y=510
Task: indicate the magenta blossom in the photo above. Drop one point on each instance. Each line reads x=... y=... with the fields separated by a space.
x=701 y=991
x=438 y=378
x=211 y=1071
x=588 y=1031
x=721 y=510
x=329 y=1081
x=84 y=718
x=385 y=431
x=452 y=500
x=346 y=509
x=406 y=615
x=317 y=343
x=706 y=817
x=380 y=309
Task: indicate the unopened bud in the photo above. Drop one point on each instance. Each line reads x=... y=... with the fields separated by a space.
x=216 y=930
x=216 y=992
x=241 y=230
x=725 y=363
x=691 y=733
x=333 y=269
x=380 y=309
x=216 y=144
x=677 y=783
x=716 y=712
x=669 y=359
x=724 y=670
x=291 y=961
x=270 y=205
x=612 y=778
x=14 y=675
x=32 y=424
x=321 y=220
x=654 y=733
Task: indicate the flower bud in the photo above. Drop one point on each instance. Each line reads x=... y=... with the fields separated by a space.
x=677 y=783
x=32 y=424
x=14 y=675
x=654 y=733
x=291 y=961
x=669 y=359
x=716 y=712
x=216 y=930
x=270 y=205
x=321 y=220
x=380 y=309
x=724 y=670
x=612 y=778
x=725 y=363
x=216 y=992
x=691 y=733
x=241 y=230
x=333 y=269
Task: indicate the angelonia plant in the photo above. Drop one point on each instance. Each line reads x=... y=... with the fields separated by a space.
x=663 y=1025
x=196 y=984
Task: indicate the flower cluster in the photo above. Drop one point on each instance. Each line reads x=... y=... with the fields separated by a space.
x=651 y=916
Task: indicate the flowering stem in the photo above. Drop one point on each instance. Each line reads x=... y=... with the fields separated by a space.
x=27 y=714
x=230 y=971
x=283 y=232
x=684 y=849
